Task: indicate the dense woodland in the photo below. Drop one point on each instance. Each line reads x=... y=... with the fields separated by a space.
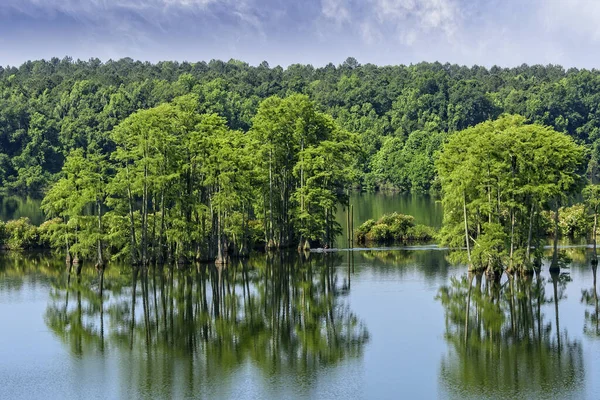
x=181 y=161
x=401 y=114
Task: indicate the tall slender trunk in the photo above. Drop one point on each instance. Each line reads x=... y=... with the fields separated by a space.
x=555 y=265
x=594 y=232
x=269 y=242
x=467 y=229
x=131 y=220
x=220 y=256
x=100 y=261
x=302 y=189
x=160 y=250
x=67 y=247
x=512 y=237
x=529 y=234
x=145 y=218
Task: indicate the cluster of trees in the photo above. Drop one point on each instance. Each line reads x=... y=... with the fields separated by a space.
x=497 y=178
x=401 y=114
x=180 y=184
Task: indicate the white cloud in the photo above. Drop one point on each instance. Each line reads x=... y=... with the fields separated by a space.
x=580 y=17
x=336 y=11
x=406 y=21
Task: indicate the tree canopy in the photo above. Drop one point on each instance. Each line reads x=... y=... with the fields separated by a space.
x=496 y=178
x=401 y=114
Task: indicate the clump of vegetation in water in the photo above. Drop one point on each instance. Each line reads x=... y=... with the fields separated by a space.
x=18 y=234
x=393 y=228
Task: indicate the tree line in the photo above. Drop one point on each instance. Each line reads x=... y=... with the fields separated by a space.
x=401 y=114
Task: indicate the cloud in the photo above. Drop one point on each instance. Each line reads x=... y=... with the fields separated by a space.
x=574 y=17
x=405 y=21
x=335 y=10
x=484 y=32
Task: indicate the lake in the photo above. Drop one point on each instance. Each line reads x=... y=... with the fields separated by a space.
x=357 y=325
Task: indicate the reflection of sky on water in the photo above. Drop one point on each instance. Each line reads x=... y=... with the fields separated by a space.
x=391 y=292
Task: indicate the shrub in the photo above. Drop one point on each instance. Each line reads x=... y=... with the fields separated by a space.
x=420 y=233
x=379 y=233
x=363 y=230
x=20 y=234
x=393 y=227
x=573 y=221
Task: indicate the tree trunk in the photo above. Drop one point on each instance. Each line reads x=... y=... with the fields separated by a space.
x=270 y=241
x=512 y=238
x=529 y=234
x=100 y=261
x=595 y=256
x=554 y=266
x=467 y=230
x=131 y=220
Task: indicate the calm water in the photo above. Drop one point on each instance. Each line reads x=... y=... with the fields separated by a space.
x=15 y=207
x=425 y=209
x=366 y=324
x=358 y=325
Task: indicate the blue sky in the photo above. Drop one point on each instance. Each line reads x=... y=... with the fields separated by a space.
x=483 y=32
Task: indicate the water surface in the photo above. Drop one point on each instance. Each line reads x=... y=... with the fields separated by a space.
x=367 y=324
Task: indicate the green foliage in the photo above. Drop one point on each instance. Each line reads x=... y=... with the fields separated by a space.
x=400 y=114
x=181 y=185
x=573 y=221
x=392 y=228
x=497 y=178
x=19 y=234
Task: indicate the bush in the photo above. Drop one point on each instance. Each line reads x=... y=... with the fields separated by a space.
x=363 y=230
x=51 y=233
x=573 y=221
x=421 y=233
x=379 y=234
x=393 y=227
x=20 y=234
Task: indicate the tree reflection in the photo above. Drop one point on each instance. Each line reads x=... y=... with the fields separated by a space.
x=279 y=313
x=502 y=343
x=589 y=297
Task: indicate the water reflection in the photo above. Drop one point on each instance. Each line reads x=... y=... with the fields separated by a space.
x=15 y=207
x=502 y=343
x=589 y=297
x=279 y=313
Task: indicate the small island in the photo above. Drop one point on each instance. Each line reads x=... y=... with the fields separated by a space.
x=394 y=228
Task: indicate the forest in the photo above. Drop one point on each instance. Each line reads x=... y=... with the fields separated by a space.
x=400 y=114
x=181 y=161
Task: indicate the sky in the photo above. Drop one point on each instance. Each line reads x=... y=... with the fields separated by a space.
x=283 y=32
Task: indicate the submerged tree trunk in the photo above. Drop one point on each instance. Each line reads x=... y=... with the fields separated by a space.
x=555 y=277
